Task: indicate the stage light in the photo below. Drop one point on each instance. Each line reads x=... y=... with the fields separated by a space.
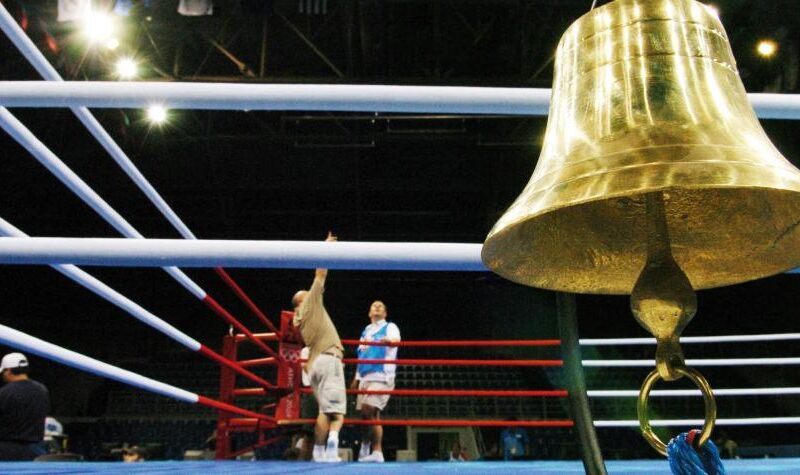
x=126 y=68
x=767 y=48
x=157 y=114
x=112 y=44
x=98 y=27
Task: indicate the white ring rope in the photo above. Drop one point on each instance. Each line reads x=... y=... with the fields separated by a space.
x=27 y=343
x=695 y=392
x=30 y=344
x=227 y=253
x=316 y=97
x=699 y=422
x=60 y=170
x=420 y=99
x=285 y=97
x=691 y=339
x=40 y=63
x=694 y=362
x=101 y=289
x=406 y=256
x=43 y=66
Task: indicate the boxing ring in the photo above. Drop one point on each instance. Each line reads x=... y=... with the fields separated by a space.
x=279 y=343
x=635 y=467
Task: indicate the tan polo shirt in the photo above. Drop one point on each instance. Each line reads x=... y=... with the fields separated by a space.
x=315 y=324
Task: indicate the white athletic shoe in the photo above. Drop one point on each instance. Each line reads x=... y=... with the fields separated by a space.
x=366 y=448
x=334 y=459
x=318 y=455
x=374 y=457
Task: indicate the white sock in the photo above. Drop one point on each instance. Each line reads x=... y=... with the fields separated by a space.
x=319 y=452
x=332 y=449
x=365 y=447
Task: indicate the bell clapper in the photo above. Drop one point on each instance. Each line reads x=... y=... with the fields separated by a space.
x=663 y=302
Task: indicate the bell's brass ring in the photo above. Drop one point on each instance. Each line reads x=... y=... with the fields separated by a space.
x=708 y=398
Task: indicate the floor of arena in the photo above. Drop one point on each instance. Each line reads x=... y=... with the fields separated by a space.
x=628 y=467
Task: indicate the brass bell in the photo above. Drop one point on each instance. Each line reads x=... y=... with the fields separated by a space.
x=647 y=98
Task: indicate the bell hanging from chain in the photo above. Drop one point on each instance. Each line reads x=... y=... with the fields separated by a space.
x=647 y=98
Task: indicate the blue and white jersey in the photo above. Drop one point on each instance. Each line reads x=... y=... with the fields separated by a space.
x=378 y=372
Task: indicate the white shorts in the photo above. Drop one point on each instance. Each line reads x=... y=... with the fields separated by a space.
x=374 y=400
x=327 y=380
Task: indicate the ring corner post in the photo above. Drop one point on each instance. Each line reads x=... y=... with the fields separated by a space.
x=576 y=385
x=226 y=386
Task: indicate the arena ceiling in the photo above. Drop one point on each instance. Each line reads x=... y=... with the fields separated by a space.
x=296 y=175
x=267 y=175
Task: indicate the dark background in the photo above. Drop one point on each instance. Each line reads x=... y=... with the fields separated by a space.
x=366 y=177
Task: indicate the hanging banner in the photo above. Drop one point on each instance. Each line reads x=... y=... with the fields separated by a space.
x=196 y=7
x=73 y=10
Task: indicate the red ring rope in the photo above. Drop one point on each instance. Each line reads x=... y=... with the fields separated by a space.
x=219 y=310
x=424 y=422
x=258 y=362
x=260 y=336
x=430 y=392
x=459 y=392
x=456 y=343
x=232 y=409
x=235 y=366
x=290 y=367
x=442 y=362
x=244 y=298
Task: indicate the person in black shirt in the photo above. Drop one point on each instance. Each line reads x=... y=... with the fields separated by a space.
x=24 y=404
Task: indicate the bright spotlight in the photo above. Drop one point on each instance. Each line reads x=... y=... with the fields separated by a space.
x=127 y=68
x=767 y=48
x=98 y=27
x=157 y=114
x=112 y=44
